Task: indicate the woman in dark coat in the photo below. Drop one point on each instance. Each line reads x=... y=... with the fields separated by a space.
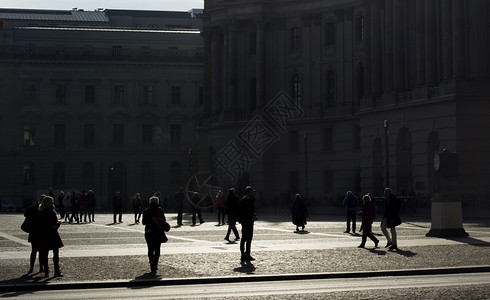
x=49 y=237
x=153 y=231
x=31 y=218
x=299 y=212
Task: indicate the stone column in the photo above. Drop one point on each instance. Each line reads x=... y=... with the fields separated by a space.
x=226 y=69
x=367 y=49
x=232 y=62
x=260 y=61
x=458 y=39
x=375 y=49
x=389 y=44
x=398 y=57
x=447 y=41
x=420 y=40
x=430 y=42
x=215 y=53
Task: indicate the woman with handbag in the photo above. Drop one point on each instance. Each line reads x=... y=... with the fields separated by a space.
x=155 y=227
x=30 y=226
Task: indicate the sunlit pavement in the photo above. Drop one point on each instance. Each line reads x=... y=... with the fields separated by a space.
x=103 y=252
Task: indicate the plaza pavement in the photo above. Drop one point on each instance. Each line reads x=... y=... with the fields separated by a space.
x=102 y=254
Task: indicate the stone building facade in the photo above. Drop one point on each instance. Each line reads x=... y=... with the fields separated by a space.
x=104 y=100
x=383 y=85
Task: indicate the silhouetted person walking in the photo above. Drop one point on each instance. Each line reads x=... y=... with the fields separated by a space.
x=391 y=219
x=231 y=209
x=367 y=213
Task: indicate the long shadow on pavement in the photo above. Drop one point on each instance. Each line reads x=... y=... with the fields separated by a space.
x=247 y=268
x=470 y=241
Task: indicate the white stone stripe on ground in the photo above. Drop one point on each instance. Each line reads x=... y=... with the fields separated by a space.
x=15 y=239
x=219 y=247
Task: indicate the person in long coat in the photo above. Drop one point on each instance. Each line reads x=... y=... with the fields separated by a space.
x=153 y=233
x=391 y=219
x=49 y=237
x=33 y=238
x=196 y=209
x=231 y=208
x=299 y=212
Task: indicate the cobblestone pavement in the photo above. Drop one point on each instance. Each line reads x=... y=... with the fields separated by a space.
x=105 y=252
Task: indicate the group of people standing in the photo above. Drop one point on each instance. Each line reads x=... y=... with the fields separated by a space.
x=75 y=207
x=391 y=217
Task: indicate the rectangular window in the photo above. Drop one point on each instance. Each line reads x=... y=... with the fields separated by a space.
x=59 y=135
x=30 y=93
x=88 y=50
x=252 y=42
x=328 y=139
x=90 y=94
x=119 y=94
x=295 y=38
x=173 y=51
x=152 y=26
x=118 y=134
x=89 y=134
x=147 y=134
x=175 y=133
x=200 y=52
x=30 y=49
x=330 y=34
x=148 y=94
x=29 y=132
x=136 y=26
x=60 y=49
x=175 y=95
x=116 y=51
x=293 y=141
x=60 y=94
x=145 y=51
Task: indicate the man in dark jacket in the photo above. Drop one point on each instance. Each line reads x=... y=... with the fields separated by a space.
x=391 y=218
x=246 y=216
x=117 y=207
x=231 y=209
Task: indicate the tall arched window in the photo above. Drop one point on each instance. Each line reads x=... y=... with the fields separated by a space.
x=59 y=174
x=330 y=88
x=404 y=176
x=296 y=88
x=377 y=167
x=88 y=174
x=28 y=174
